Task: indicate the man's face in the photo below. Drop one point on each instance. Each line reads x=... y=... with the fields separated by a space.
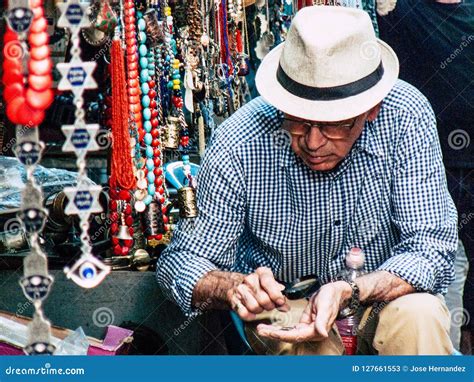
x=323 y=145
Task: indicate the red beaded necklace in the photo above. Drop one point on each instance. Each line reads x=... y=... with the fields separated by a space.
x=26 y=105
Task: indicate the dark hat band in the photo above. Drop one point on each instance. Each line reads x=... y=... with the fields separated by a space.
x=329 y=93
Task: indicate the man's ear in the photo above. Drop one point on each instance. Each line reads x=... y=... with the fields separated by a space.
x=374 y=112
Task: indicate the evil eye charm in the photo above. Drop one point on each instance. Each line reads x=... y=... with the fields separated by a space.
x=40 y=348
x=87 y=272
x=29 y=152
x=33 y=219
x=19 y=19
x=36 y=287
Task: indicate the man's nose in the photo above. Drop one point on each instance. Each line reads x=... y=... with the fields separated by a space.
x=315 y=139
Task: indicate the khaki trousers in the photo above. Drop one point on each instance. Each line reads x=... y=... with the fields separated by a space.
x=414 y=324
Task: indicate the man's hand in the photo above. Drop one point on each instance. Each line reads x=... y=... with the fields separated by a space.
x=318 y=317
x=258 y=292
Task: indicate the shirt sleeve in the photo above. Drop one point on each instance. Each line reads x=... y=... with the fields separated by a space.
x=207 y=242
x=422 y=209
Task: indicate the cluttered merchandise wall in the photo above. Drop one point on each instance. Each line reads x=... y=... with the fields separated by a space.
x=106 y=110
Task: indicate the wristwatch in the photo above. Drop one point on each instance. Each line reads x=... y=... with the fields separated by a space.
x=354 y=303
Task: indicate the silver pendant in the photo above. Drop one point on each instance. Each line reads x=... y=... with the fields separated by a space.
x=32 y=214
x=36 y=282
x=28 y=148
x=88 y=271
x=39 y=341
x=19 y=16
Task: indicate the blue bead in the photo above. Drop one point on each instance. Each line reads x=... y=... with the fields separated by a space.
x=150 y=165
x=185 y=159
x=141 y=25
x=88 y=272
x=142 y=37
x=147 y=126
x=143 y=62
x=148 y=138
x=145 y=101
x=151 y=73
x=168 y=57
x=147 y=114
x=151 y=189
x=148 y=199
x=151 y=67
x=145 y=88
x=149 y=152
x=144 y=75
x=143 y=50
x=151 y=177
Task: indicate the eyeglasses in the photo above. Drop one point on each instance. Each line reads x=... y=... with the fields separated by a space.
x=331 y=130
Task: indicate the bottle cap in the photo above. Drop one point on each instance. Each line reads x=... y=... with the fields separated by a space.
x=355 y=258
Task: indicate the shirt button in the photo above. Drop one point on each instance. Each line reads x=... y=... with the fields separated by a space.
x=337 y=223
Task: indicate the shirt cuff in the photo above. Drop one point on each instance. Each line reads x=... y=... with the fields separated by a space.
x=414 y=269
x=183 y=285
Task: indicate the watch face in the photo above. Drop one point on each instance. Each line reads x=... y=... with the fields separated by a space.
x=302 y=287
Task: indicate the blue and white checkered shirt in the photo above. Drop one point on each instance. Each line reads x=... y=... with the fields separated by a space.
x=260 y=205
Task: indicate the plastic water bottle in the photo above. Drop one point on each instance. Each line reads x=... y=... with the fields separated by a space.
x=347 y=326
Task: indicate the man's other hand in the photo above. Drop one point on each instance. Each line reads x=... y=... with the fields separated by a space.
x=258 y=292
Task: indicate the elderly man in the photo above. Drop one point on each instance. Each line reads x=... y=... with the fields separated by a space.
x=336 y=154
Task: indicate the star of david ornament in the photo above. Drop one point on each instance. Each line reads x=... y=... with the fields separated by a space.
x=83 y=200
x=74 y=15
x=76 y=76
x=80 y=138
x=88 y=271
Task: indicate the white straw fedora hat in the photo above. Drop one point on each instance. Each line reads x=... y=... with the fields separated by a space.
x=330 y=68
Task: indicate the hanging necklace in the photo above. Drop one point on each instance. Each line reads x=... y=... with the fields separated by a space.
x=25 y=108
x=26 y=105
x=87 y=271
